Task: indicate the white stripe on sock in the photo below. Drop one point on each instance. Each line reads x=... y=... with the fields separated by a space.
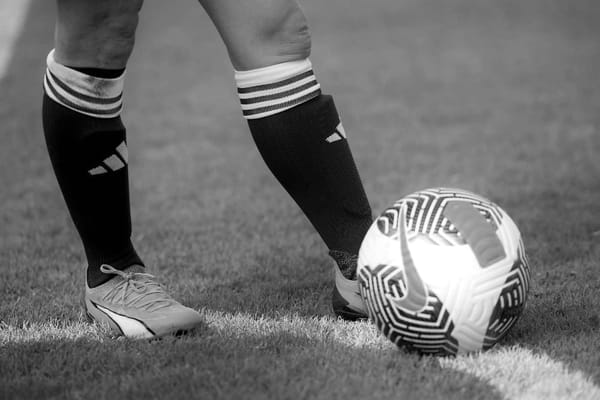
x=85 y=94
x=103 y=88
x=269 y=92
x=77 y=100
x=271 y=73
x=276 y=81
x=280 y=100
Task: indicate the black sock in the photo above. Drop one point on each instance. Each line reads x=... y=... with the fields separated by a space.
x=98 y=204
x=89 y=157
x=306 y=149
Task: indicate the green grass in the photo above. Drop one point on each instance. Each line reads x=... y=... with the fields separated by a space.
x=495 y=96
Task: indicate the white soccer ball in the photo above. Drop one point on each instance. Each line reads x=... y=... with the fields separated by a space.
x=443 y=271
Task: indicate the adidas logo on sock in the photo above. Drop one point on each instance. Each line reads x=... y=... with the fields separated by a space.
x=338 y=134
x=114 y=162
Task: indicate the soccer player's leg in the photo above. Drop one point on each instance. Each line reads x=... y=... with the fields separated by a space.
x=297 y=128
x=87 y=145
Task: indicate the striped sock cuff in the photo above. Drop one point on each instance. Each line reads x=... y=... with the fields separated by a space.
x=276 y=88
x=85 y=94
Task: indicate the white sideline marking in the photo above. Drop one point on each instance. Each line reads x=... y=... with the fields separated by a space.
x=515 y=372
x=12 y=16
x=518 y=373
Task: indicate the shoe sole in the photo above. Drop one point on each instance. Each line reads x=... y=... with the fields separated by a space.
x=341 y=308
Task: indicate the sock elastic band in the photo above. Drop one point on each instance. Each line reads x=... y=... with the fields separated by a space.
x=276 y=88
x=85 y=94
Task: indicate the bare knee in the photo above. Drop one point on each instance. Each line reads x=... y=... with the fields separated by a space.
x=96 y=33
x=259 y=33
x=285 y=36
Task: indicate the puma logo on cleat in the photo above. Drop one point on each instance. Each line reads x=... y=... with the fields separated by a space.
x=129 y=326
x=338 y=134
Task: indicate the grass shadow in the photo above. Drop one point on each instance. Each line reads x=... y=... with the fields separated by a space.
x=220 y=364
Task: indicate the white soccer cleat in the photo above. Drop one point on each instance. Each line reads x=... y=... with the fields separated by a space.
x=134 y=305
x=346 y=299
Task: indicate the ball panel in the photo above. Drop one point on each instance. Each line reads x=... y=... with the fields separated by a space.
x=477 y=232
x=511 y=301
x=425 y=214
x=428 y=331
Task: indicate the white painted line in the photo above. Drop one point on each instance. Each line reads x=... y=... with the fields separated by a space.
x=12 y=17
x=519 y=374
x=515 y=372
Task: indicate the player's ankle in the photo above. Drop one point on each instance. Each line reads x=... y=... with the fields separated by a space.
x=95 y=277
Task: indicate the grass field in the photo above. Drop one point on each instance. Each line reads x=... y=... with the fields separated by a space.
x=500 y=97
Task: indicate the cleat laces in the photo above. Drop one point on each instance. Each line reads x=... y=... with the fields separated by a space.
x=137 y=289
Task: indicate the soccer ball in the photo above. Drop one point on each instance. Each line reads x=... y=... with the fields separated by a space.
x=443 y=271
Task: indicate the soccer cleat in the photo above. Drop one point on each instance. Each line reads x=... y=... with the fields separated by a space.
x=346 y=300
x=134 y=305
